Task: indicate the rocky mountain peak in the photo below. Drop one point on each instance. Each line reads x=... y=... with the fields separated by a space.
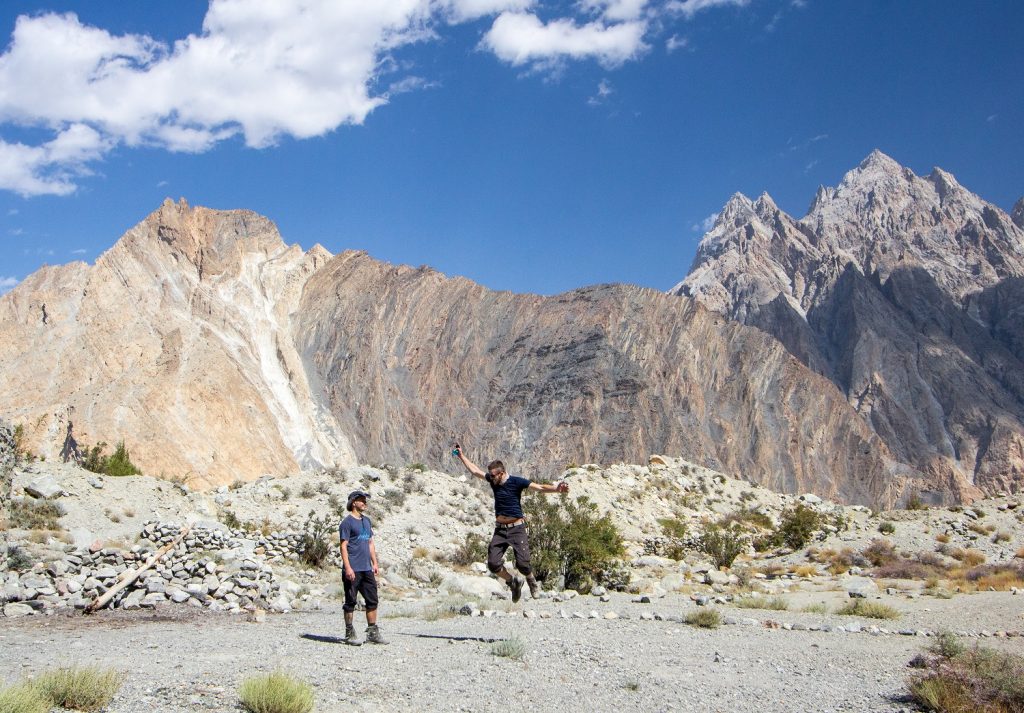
x=1017 y=214
x=765 y=207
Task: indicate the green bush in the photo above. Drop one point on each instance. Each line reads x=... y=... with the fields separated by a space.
x=18 y=560
x=85 y=688
x=276 y=693
x=314 y=548
x=796 y=527
x=674 y=527
x=117 y=464
x=23 y=698
x=569 y=539
x=473 y=549
x=887 y=528
x=722 y=544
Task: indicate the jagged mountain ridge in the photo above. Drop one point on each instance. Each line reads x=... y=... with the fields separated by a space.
x=219 y=353
x=905 y=292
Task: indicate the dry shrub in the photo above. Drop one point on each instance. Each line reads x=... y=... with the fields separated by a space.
x=969 y=557
x=1020 y=554
x=880 y=552
x=805 y=570
x=968 y=681
x=1002 y=536
x=924 y=565
x=1000 y=577
x=23 y=698
x=870 y=610
x=755 y=601
x=838 y=562
x=704 y=618
x=86 y=688
x=943 y=538
x=276 y=693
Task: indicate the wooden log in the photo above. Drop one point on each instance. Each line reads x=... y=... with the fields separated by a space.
x=134 y=574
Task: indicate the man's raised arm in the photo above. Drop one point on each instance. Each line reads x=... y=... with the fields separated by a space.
x=560 y=487
x=470 y=465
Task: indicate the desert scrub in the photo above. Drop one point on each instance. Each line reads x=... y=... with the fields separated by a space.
x=887 y=527
x=276 y=692
x=815 y=608
x=796 y=528
x=473 y=549
x=23 y=698
x=514 y=648
x=570 y=539
x=704 y=618
x=117 y=464
x=315 y=549
x=869 y=610
x=35 y=514
x=758 y=602
x=84 y=688
x=18 y=560
x=722 y=544
x=977 y=679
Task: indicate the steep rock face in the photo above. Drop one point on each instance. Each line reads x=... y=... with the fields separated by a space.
x=410 y=359
x=900 y=290
x=176 y=341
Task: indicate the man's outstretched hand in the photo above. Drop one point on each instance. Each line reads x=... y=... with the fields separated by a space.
x=563 y=487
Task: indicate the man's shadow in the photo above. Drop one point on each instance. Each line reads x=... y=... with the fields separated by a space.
x=323 y=639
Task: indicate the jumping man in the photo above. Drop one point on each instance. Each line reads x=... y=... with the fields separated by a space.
x=510 y=524
x=359 y=555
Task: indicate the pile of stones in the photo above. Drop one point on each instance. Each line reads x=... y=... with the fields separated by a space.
x=208 y=568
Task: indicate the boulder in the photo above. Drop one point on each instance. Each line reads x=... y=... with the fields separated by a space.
x=44 y=487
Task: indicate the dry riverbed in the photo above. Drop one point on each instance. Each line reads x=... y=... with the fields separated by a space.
x=180 y=658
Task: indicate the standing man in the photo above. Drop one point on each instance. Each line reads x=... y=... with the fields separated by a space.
x=510 y=523
x=359 y=555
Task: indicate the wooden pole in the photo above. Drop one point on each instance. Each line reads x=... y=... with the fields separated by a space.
x=130 y=576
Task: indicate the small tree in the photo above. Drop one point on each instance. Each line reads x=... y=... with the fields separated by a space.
x=569 y=539
x=118 y=464
x=722 y=544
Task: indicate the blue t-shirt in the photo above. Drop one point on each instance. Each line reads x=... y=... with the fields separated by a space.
x=508 y=494
x=357 y=532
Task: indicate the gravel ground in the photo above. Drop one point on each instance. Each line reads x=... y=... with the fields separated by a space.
x=180 y=659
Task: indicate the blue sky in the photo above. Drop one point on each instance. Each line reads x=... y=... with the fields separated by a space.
x=530 y=146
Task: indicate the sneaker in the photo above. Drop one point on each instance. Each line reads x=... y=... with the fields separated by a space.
x=351 y=637
x=373 y=635
x=516 y=585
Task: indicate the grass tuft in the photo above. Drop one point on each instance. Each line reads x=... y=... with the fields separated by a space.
x=514 y=648
x=758 y=602
x=276 y=692
x=83 y=688
x=704 y=618
x=815 y=608
x=870 y=610
x=23 y=698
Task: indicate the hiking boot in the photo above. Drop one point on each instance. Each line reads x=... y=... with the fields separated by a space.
x=535 y=590
x=373 y=635
x=516 y=585
x=351 y=637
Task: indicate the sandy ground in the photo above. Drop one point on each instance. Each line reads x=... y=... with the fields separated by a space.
x=181 y=659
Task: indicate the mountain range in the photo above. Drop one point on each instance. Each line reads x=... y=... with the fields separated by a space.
x=866 y=352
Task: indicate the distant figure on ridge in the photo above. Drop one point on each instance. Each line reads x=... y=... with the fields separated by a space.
x=510 y=523
x=359 y=557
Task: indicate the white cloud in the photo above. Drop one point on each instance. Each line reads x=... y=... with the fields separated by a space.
x=260 y=70
x=604 y=90
x=992 y=117
x=520 y=39
x=689 y=8
x=675 y=42
x=16 y=232
x=6 y=283
x=463 y=10
x=79 y=251
x=50 y=169
x=705 y=225
x=615 y=10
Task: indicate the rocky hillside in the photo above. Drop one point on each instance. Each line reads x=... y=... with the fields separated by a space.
x=905 y=293
x=178 y=341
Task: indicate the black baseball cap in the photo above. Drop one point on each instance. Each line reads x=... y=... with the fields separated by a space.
x=355 y=495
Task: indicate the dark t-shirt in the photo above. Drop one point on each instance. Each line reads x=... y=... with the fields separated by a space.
x=357 y=531
x=507 y=495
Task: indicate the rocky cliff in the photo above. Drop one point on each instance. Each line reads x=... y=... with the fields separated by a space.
x=176 y=341
x=904 y=292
